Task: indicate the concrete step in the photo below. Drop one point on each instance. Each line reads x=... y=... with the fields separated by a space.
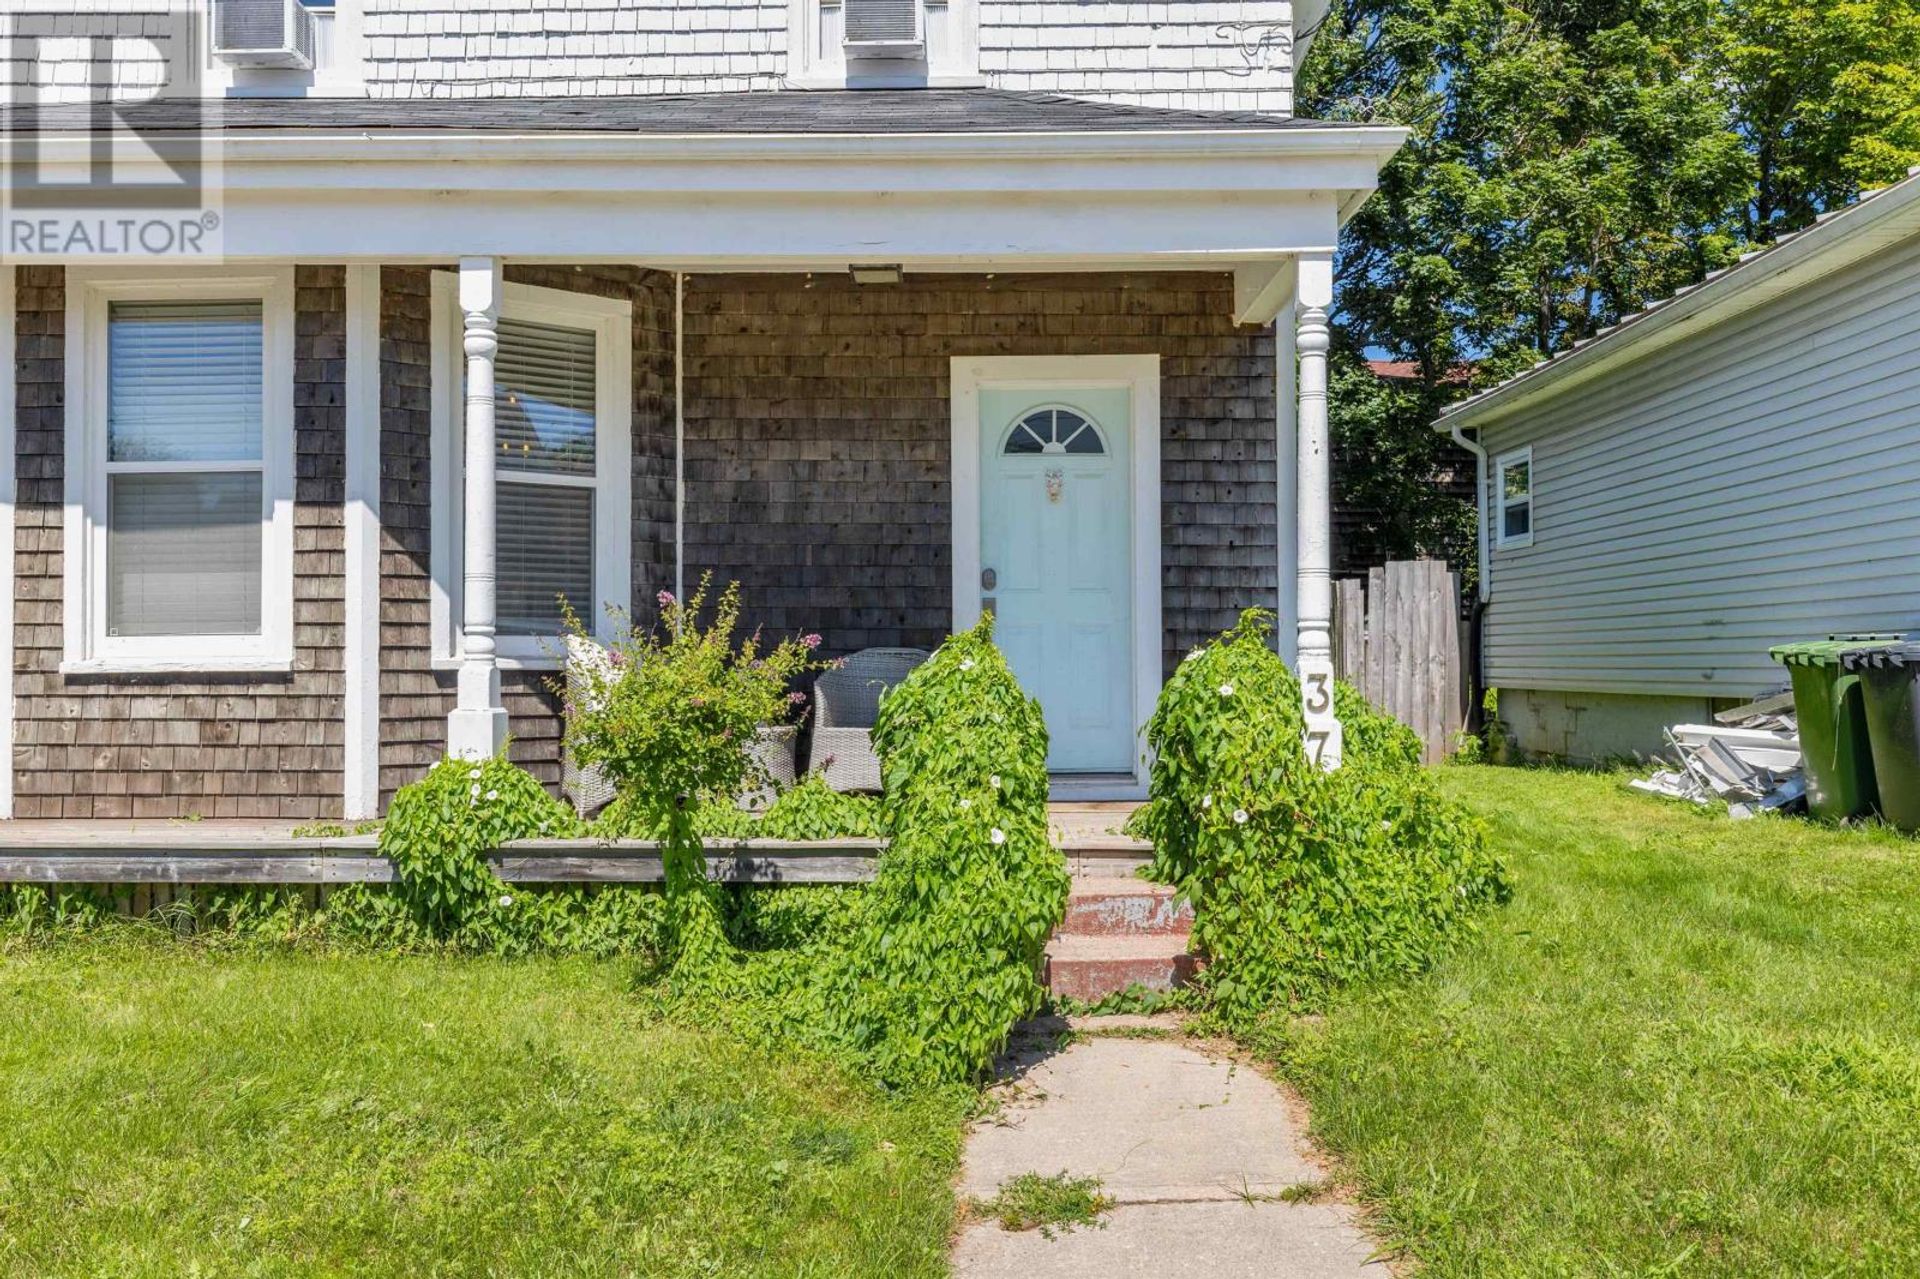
x=1114 y=906
x=1091 y=968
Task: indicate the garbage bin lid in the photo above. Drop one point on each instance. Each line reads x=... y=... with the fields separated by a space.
x=1827 y=652
x=1856 y=659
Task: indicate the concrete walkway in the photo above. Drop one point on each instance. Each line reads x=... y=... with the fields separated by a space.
x=1194 y=1150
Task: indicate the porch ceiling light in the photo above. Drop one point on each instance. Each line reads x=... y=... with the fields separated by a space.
x=875 y=272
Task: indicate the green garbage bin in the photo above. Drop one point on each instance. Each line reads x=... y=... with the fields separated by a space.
x=1888 y=676
x=1833 y=724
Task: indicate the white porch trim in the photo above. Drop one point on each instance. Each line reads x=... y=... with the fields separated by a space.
x=1314 y=497
x=1211 y=199
x=8 y=405
x=360 y=785
x=1140 y=375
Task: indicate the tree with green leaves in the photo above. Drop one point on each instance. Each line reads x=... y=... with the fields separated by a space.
x=1573 y=161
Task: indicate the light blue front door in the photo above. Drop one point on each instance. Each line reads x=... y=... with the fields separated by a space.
x=1055 y=532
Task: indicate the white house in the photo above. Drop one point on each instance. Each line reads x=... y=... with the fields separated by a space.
x=1734 y=468
x=890 y=310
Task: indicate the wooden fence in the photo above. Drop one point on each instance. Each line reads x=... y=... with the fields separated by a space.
x=1399 y=638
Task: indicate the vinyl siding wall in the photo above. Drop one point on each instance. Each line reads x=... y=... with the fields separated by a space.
x=1756 y=482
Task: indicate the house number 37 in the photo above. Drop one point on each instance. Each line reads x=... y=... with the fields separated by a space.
x=1322 y=736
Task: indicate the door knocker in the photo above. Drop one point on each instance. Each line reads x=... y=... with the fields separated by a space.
x=1056 y=481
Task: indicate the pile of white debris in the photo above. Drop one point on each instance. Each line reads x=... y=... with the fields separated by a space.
x=1749 y=757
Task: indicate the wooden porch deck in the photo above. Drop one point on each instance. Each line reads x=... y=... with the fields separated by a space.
x=226 y=851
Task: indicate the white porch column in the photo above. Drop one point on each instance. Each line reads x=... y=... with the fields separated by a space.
x=1286 y=458
x=477 y=728
x=1315 y=497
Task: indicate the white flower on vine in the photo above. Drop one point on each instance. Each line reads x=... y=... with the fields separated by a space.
x=997 y=835
x=475 y=791
x=966 y=804
x=966 y=664
x=994 y=781
x=474 y=775
x=1206 y=801
x=506 y=899
x=1191 y=655
x=1226 y=690
x=1240 y=816
x=493 y=794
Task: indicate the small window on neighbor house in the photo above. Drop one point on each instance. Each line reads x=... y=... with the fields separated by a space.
x=1513 y=498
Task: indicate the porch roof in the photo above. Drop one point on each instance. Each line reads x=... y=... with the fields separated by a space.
x=786 y=111
x=929 y=179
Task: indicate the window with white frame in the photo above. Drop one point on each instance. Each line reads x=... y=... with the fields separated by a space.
x=1513 y=498
x=179 y=471
x=834 y=44
x=562 y=428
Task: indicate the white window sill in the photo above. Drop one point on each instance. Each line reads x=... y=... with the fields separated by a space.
x=178 y=666
x=506 y=663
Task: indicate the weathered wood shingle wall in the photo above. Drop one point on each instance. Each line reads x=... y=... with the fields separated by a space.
x=414 y=698
x=160 y=746
x=818 y=421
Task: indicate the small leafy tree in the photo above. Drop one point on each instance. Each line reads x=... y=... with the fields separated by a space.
x=669 y=722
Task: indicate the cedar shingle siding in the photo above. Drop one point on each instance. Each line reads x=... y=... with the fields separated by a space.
x=163 y=747
x=817 y=464
x=818 y=425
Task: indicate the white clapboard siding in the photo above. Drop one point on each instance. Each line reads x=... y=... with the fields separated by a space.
x=1754 y=483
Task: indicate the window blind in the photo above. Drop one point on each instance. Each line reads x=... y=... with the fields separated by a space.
x=543 y=542
x=183 y=554
x=544 y=398
x=184 y=382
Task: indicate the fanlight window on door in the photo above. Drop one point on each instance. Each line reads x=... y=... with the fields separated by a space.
x=1055 y=431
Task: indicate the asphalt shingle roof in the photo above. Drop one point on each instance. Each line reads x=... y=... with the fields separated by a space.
x=773 y=111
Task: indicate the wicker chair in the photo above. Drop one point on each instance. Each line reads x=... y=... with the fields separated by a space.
x=846 y=701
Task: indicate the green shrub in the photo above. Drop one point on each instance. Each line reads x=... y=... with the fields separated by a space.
x=970 y=886
x=792 y=917
x=1300 y=879
x=667 y=724
x=441 y=828
x=811 y=809
x=919 y=977
x=439 y=833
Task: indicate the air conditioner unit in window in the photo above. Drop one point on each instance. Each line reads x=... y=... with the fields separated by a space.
x=883 y=28
x=263 y=33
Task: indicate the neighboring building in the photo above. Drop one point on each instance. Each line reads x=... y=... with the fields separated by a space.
x=1734 y=468
x=836 y=343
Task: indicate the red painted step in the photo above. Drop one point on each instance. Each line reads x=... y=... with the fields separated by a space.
x=1091 y=968
x=1124 y=908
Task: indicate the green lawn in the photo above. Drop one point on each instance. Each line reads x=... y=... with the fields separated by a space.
x=168 y=1111
x=1690 y=1046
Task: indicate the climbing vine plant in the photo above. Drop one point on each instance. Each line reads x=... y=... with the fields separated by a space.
x=1300 y=879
